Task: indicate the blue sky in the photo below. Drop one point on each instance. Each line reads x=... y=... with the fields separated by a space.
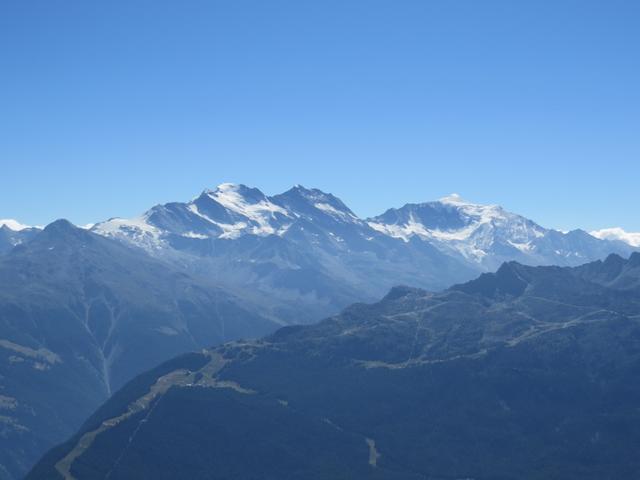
x=107 y=108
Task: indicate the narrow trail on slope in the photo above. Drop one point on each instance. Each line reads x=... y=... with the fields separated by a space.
x=131 y=438
x=178 y=378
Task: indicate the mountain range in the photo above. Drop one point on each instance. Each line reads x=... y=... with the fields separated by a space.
x=309 y=251
x=84 y=310
x=528 y=373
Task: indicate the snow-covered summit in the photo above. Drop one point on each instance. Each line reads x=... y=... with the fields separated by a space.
x=238 y=210
x=246 y=202
x=458 y=226
x=450 y=217
x=228 y=211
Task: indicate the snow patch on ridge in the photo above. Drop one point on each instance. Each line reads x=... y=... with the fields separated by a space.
x=228 y=196
x=14 y=225
x=256 y=217
x=325 y=207
x=195 y=235
x=261 y=212
x=136 y=230
x=229 y=230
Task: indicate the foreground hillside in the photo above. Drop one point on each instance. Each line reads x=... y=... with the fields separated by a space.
x=528 y=373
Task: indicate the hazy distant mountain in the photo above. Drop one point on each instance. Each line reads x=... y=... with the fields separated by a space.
x=619 y=234
x=80 y=315
x=306 y=251
x=529 y=373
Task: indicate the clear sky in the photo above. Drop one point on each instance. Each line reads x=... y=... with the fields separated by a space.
x=107 y=108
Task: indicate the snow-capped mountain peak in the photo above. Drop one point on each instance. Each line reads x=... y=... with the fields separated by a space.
x=309 y=203
x=619 y=234
x=228 y=211
x=475 y=211
x=460 y=227
x=248 y=203
x=235 y=197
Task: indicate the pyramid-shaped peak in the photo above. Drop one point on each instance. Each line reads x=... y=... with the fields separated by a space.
x=60 y=225
x=64 y=231
x=313 y=201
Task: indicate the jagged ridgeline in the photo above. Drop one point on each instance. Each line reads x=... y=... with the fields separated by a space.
x=528 y=373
